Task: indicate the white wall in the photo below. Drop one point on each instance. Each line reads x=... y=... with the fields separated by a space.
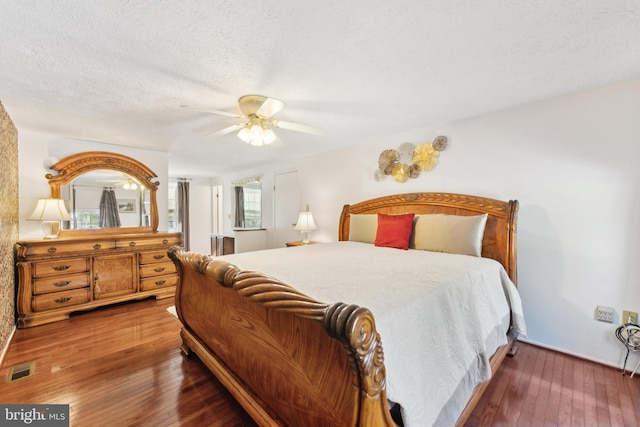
x=571 y=162
x=200 y=215
x=38 y=151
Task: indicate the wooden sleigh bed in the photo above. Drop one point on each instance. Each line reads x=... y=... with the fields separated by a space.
x=293 y=361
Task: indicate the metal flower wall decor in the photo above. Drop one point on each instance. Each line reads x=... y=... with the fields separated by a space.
x=409 y=160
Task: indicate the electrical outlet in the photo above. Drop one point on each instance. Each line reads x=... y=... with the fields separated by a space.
x=604 y=314
x=629 y=317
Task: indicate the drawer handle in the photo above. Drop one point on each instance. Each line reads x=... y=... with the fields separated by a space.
x=61 y=267
x=165 y=241
x=158 y=256
x=62 y=283
x=51 y=250
x=159 y=269
x=160 y=282
x=97 y=246
x=62 y=300
x=132 y=244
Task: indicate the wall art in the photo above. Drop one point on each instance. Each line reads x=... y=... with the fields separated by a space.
x=409 y=160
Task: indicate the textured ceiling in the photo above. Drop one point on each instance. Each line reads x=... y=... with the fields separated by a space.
x=120 y=71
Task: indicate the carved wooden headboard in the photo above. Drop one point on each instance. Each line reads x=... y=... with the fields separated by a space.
x=499 y=240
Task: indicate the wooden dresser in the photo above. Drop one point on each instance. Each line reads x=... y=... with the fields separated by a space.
x=78 y=273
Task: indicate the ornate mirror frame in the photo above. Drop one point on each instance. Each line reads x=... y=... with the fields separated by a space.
x=81 y=163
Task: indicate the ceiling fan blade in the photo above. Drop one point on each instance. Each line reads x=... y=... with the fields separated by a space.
x=218 y=112
x=227 y=130
x=226 y=113
x=298 y=127
x=270 y=107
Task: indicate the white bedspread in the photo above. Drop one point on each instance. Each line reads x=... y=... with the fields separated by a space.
x=440 y=316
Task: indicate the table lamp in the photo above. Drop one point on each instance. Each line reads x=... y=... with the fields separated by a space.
x=305 y=224
x=50 y=212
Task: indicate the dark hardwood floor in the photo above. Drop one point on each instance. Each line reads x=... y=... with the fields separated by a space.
x=122 y=366
x=541 y=387
x=119 y=366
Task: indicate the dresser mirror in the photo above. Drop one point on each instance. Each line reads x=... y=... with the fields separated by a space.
x=105 y=192
x=86 y=194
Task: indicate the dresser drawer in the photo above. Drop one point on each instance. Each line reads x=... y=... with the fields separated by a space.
x=152 y=283
x=60 y=283
x=141 y=242
x=157 y=269
x=61 y=267
x=61 y=299
x=63 y=248
x=154 y=257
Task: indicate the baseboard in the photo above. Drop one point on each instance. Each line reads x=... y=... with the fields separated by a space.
x=570 y=353
x=6 y=346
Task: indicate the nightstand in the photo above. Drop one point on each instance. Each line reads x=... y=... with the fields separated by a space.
x=299 y=243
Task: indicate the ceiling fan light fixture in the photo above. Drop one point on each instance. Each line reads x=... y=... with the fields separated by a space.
x=245 y=134
x=269 y=136
x=257 y=132
x=130 y=185
x=256 y=128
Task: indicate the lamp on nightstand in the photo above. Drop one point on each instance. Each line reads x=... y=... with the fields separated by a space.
x=305 y=224
x=50 y=212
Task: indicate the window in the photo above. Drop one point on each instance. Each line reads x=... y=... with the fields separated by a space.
x=86 y=219
x=248 y=206
x=252 y=207
x=171 y=204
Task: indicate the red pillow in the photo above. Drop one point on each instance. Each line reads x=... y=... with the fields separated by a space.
x=394 y=231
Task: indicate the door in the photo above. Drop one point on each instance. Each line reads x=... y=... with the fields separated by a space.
x=286 y=204
x=115 y=275
x=217 y=212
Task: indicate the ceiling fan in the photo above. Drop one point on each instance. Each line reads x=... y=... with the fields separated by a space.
x=256 y=125
x=120 y=180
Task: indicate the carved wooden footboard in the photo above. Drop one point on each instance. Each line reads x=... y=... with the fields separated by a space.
x=288 y=359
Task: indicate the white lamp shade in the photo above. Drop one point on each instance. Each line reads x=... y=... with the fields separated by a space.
x=306 y=222
x=50 y=210
x=269 y=136
x=245 y=135
x=130 y=185
x=257 y=134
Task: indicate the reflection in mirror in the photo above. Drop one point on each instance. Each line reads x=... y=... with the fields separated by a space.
x=69 y=173
x=106 y=199
x=248 y=204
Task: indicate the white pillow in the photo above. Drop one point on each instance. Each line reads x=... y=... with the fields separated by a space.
x=363 y=227
x=455 y=234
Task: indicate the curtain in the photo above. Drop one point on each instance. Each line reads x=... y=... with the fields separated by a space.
x=74 y=217
x=182 y=210
x=109 y=217
x=239 y=221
